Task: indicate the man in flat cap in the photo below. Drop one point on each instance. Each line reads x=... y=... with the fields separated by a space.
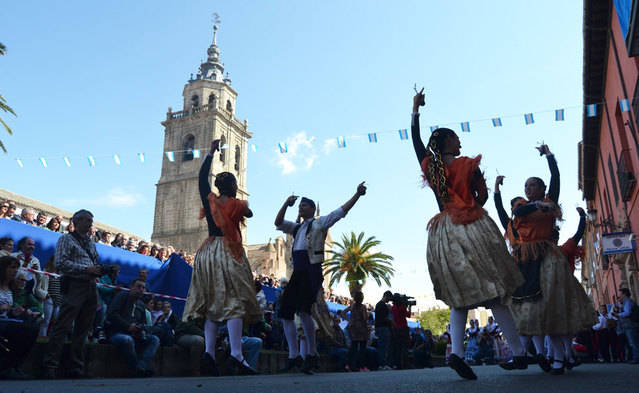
x=309 y=237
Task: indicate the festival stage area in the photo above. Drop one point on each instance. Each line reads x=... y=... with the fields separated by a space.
x=492 y=379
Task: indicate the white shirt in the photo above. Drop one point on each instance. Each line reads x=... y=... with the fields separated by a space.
x=602 y=323
x=327 y=221
x=34 y=264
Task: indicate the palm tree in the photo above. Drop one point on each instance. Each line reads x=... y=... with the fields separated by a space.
x=354 y=258
x=3 y=104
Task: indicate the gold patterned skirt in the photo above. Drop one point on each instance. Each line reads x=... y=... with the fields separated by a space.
x=563 y=307
x=221 y=288
x=469 y=264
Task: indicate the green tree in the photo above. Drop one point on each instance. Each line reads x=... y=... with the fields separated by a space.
x=354 y=258
x=4 y=106
x=435 y=319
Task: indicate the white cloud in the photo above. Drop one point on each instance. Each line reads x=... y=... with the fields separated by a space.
x=116 y=197
x=301 y=153
x=330 y=145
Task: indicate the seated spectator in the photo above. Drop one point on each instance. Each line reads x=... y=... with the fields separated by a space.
x=143 y=274
x=485 y=352
x=28 y=216
x=261 y=297
x=18 y=326
x=149 y=303
x=6 y=246
x=126 y=329
x=117 y=242
x=23 y=298
x=53 y=300
x=11 y=213
x=41 y=220
x=105 y=296
x=156 y=311
x=154 y=251
x=70 y=227
x=131 y=245
x=190 y=335
x=144 y=249
x=53 y=225
x=336 y=346
x=105 y=238
x=26 y=248
x=165 y=324
x=424 y=345
x=162 y=257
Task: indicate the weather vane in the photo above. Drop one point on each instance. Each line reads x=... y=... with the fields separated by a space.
x=215 y=18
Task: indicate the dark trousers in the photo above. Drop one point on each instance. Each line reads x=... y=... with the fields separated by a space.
x=357 y=355
x=399 y=347
x=78 y=310
x=20 y=338
x=604 y=344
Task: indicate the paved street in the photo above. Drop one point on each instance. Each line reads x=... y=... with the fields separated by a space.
x=614 y=378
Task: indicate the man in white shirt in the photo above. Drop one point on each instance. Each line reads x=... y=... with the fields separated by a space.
x=306 y=280
x=602 y=334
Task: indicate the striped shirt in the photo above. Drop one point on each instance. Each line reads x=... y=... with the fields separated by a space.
x=74 y=256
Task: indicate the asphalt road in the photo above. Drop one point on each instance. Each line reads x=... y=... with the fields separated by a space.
x=609 y=378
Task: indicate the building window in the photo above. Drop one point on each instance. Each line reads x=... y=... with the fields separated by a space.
x=222 y=151
x=237 y=158
x=212 y=99
x=195 y=100
x=612 y=179
x=228 y=106
x=187 y=146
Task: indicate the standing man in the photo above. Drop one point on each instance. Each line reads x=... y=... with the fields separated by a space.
x=383 y=329
x=629 y=323
x=77 y=260
x=308 y=254
x=601 y=330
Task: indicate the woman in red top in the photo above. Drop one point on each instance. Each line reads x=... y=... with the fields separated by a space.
x=468 y=261
x=222 y=282
x=551 y=301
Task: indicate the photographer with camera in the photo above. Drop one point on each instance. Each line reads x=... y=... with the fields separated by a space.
x=126 y=329
x=400 y=337
x=77 y=260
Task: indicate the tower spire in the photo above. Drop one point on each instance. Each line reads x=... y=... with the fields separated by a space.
x=212 y=68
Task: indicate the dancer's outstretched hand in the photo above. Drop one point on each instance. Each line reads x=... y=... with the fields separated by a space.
x=543 y=149
x=499 y=181
x=361 y=189
x=581 y=211
x=419 y=100
x=215 y=146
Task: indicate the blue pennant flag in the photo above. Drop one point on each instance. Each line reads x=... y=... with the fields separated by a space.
x=465 y=126
x=141 y=157
x=403 y=134
x=624 y=105
x=116 y=158
x=528 y=117
x=170 y=155
x=283 y=147
x=341 y=141
x=559 y=115
x=43 y=161
x=196 y=153
x=19 y=161
x=433 y=128
x=254 y=148
x=497 y=122
x=372 y=137
x=66 y=161
x=91 y=161
x=591 y=110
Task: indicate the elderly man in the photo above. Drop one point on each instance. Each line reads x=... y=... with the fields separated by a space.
x=629 y=323
x=309 y=238
x=28 y=216
x=127 y=329
x=41 y=219
x=77 y=260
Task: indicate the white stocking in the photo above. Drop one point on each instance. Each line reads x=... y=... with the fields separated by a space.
x=303 y=347
x=235 y=337
x=457 y=327
x=309 y=331
x=210 y=336
x=569 y=355
x=290 y=332
x=539 y=344
x=504 y=317
x=558 y=351
x=525 y=342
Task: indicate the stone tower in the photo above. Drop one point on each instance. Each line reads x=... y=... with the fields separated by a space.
x=208 y=113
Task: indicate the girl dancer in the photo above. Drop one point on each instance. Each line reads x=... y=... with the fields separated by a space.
x=468 y=261
x=222 y=282
x=551 y=302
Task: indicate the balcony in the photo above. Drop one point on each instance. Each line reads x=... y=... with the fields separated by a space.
x=626 y=175
x=192 y=111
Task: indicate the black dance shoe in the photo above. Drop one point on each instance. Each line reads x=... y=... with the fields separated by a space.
x=208 y=366
x=241 y=367
x=464 y=370
x=543 y=363
x=307 y=367
x=572 y=364
x=557 y=371
x=291 y=365
x=518 y=363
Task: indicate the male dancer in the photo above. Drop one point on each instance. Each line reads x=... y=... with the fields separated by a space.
x=308 y=254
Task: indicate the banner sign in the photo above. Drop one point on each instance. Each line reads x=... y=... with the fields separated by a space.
x=617 y=243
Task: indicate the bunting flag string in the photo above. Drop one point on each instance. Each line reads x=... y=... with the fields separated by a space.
x=590 y=110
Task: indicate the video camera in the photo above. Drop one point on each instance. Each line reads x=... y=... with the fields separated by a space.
x=404 y=300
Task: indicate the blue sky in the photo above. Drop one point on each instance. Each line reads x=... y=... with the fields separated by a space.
x=97 y=78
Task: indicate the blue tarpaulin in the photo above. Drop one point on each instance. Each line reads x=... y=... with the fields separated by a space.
x=623 y=7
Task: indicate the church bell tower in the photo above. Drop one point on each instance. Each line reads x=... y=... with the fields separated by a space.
x=208 y=113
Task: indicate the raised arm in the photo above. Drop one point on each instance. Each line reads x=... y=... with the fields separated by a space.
x=582 y=225
x=290 y=201
x=361 y=190
x=553 y=189
x=205 y=189
x=418 y=144
x=501 y=212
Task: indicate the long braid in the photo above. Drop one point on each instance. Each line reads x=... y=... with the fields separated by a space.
x=436 y=171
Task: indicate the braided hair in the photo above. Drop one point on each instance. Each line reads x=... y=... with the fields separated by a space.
x=436 y=172
x=225 y=183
